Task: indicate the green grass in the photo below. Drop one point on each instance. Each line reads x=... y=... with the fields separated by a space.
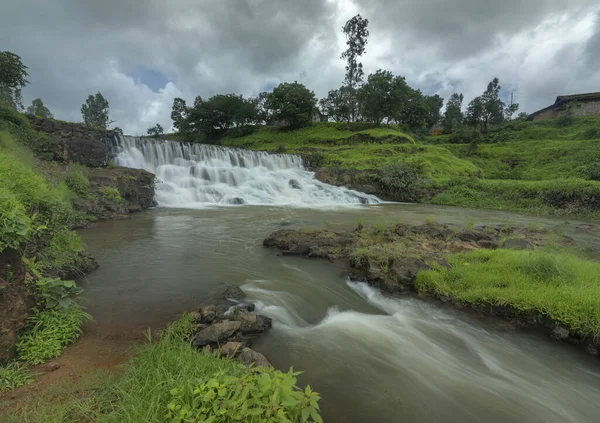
x=164 y=379
x=13 y=375
x=554 y=283
x=560 y=196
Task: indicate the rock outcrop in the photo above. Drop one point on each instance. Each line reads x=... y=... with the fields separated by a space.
x=70 y=142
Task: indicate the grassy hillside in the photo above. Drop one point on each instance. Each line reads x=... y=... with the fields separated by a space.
x=504 y=172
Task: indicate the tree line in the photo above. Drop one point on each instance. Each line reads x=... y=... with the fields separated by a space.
x=384 y=98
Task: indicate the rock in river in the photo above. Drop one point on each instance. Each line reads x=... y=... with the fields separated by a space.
x=216 y=333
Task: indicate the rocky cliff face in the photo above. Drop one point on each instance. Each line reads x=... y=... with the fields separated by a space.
x=70 y=142
x=115 y=191
x=367 y=181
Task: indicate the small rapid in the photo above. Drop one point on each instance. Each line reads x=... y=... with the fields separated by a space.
x=199 y=175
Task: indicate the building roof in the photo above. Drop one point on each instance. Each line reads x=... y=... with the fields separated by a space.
x=561 y=100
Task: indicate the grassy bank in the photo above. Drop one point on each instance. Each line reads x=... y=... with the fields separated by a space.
x=556 y=284
x=169 y=380
x=503 y=172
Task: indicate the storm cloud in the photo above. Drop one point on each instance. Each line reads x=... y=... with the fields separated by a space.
x=141 y=55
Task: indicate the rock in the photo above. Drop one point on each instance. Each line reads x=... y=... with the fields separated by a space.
x=433 y=230
x=295 y=184
x=197 y=316
x=592 y=349
x=490 y=245
x=560 y=333
x=375 y=272
x=208 y=314
x=51 y=367
x=473 y=236
x=216 y=333
x=517 y=244
x=231 y=349
x=238 y=201
x=406 y=269
x=464 y=247
x=233 y=293
x=299 y=242
x=251 y=323
x=249 y=357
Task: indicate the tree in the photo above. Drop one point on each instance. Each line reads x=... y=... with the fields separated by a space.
x=179 y=114
x=522 y=117
x=156 y=131
x=487 y=109
x=510 y=110
x=356 y=39
x=434 y=105
x=415 y=112
x=13 y=74
x=118 y=130
x=453 y=116
x=292 y=103
x=382 y=97
x=38 y=109
x=95 y=111
x=337 y=104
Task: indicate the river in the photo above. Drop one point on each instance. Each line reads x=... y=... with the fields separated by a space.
x=373 y=358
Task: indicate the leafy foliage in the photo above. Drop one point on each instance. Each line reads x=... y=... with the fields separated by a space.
x=337 y=105
x=13 y=74
x=357 y=34
x=156 y=131
x=49 y=331
x=53 y=292
x=15 y=224
x=95 y=111
x=265 y=395
x=292 y=103
x=77 y=180
x=111 y=193
x=382 y=97
x=14 y=375
x=38 y=109
x=453 y=116
x=402 y=179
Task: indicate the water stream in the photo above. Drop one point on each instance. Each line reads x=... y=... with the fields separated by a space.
x=373 y=359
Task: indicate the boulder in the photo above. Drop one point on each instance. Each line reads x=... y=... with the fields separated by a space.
x=233 y=293
x=231 y=349
x=251 y=323
x=464 y=247
x=475 y=236
x=490 y=245
x=433 y=230
x=295 y=184
x=208 y=314
x=517 y=244
x=406 y=269
x=216 y=333
x=251 y=357
x=560 y=333
x=375 y=272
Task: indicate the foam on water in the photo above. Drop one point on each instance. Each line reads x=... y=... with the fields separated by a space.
x=198 y=175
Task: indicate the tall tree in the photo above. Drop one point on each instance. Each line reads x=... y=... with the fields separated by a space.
x=434 y=109
x=337 y=104
x=38 y=109
x=510 y=110
x=414 y=113
x=156 y=131
x=487 y=109
x=356 y=39
x=179 y=114
x=95 y=111
x=13 y=77
x=453 y=116
x=382 y=97
x=292 y=103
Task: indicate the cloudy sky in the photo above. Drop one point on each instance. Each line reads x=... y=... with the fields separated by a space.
x=141 y=55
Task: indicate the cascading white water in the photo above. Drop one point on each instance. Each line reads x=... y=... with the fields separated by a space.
x=197 y=175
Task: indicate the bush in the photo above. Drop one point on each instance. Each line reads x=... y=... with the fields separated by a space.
x=591 y=134
x=591 y=172
x=77 y=180
x=15 y=224
x=402 y=180
x=465 y=136
x=111 y=193
x=13 y=375
x=356 y=126
x=49 y=331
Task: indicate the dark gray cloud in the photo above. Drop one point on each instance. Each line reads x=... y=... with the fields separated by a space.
x=77 y=47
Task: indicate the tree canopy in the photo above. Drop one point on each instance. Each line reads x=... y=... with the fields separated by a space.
x=357 y=34
x=156 y=131
x=291 y=103
x=13 y=77
x=38 y=109
x=95 y=111
x=453 y=116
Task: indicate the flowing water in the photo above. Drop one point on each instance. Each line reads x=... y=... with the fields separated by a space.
x=197 y=176
x=373 y=358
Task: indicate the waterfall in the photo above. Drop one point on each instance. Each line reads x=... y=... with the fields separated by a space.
x=199 y=175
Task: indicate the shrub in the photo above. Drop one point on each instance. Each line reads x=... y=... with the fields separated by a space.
x=54 y=292
x=265 y=395
x=402 y=179
x=111 y=193
x=356 y=126
x=77 y=180
x=15 y=224
x=591 y=172
x=465 y=136
x=13 y=375
x=591 y=133
x=49 y=331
